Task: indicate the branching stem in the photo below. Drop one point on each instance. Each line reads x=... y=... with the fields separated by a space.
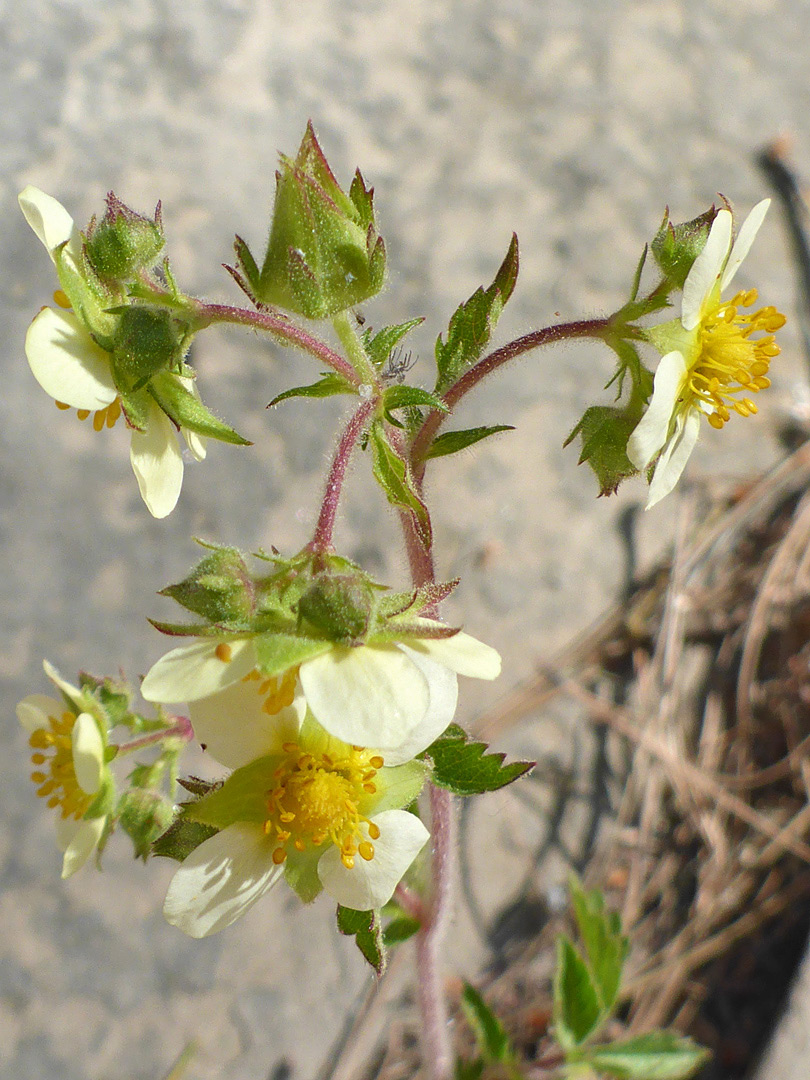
x=322 y=539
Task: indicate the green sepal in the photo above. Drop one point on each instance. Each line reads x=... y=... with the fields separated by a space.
x=136 y=404
x=123 y=242
x=450 y=442
x=103 y=803
x=656 y=1055
x=604 y=431
x=675 y=247
x=339 y=606
x=276 y=653
x=301 y=873
x=400 y=929
x=242 y=797
x=324 y=254
x=399 y=785
x=114 y=696
x=577 y=1009
x=331 y=383
x=379 y=346
x=186 y=629
x=187 y=411
x=146 y=340
x=181 y=838
x=219 y=588
x=606 y=947
x=365 y=928
x=394 y=476
x=411 y=603
x=465 y=768
x=473 y=322
x=246 y=264
x=144 y=815
x=493 y=1043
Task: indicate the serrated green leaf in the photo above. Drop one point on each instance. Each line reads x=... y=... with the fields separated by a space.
x=187 y=411
x=399 y=930
x=472 y=323
x=465 y=768
x=450 y=442
x=577 y=1010
x=365 y=927
x=394 y=476
x=379 y=346
x=657 y=1055
x=181 y=838
x=276 y=653
x=493 y=1042
x=606 y=947
x=331 y=383
x=604 y=432
x=400 y=397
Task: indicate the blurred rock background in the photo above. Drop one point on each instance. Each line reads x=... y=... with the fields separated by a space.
x=573 y=125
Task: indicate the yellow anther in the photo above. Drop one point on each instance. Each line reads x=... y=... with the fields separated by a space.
x=373 y=831
x=98 y=420
x=223 y=652
x=61 y=405
x=279 y=855
x=61 y=300
x=289 y=747
x=370 y=789
x=348 y=861
x=376 y=762
x=366 y=851
x=82 y=413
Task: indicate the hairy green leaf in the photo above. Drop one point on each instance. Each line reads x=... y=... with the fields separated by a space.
x=400 y=397
x=365 y=927
x=380 y=345
x=605 y=946
x=657 y=1055
x=472 y=323
x=577 y=1010
x=400 y=929
x=181 y=838
x=604 y=432
x=450 y=442
x=331 y=383
x=394 y=476
x=493 y=1042
x=465 y=768
x=187 y=411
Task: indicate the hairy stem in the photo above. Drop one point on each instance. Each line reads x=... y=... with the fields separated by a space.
x=322 y=539
x=180 y=729
x=438 y=1058
x=549 y=335
x=280 y=327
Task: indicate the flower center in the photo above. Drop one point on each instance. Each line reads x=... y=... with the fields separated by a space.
x=107 y=416
x=730 y=361
x=315 y=798
x=55 y=773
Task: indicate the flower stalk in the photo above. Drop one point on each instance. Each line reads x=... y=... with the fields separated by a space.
x=322 y=540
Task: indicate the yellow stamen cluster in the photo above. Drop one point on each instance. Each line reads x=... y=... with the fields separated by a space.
x=730 y=362
x=54 y=773
x=107 y=416
x=315 y=798
x=278 y=693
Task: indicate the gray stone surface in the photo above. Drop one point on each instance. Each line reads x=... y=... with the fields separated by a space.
x=572 y=124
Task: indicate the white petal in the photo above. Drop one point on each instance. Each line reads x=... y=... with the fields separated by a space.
x=157 y=464
x=33 y=711
x=706 y=269
x=745 y=238
x=78 y=840
x=372 y=695
x=47 y=217
x=88 y=753
x=443 y=689
x=221 y=880
x=67 y=363
x=196 y=443
x=194 y=670
x=235 y=729
x=71 y=692
x=652 y=429
x=371 y=884
x=462 y=653
x=673 y=460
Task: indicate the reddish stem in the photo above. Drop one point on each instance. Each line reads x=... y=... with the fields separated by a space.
x=322 y=538
x=180 y=729
x=549 y=335
x=280 y=327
